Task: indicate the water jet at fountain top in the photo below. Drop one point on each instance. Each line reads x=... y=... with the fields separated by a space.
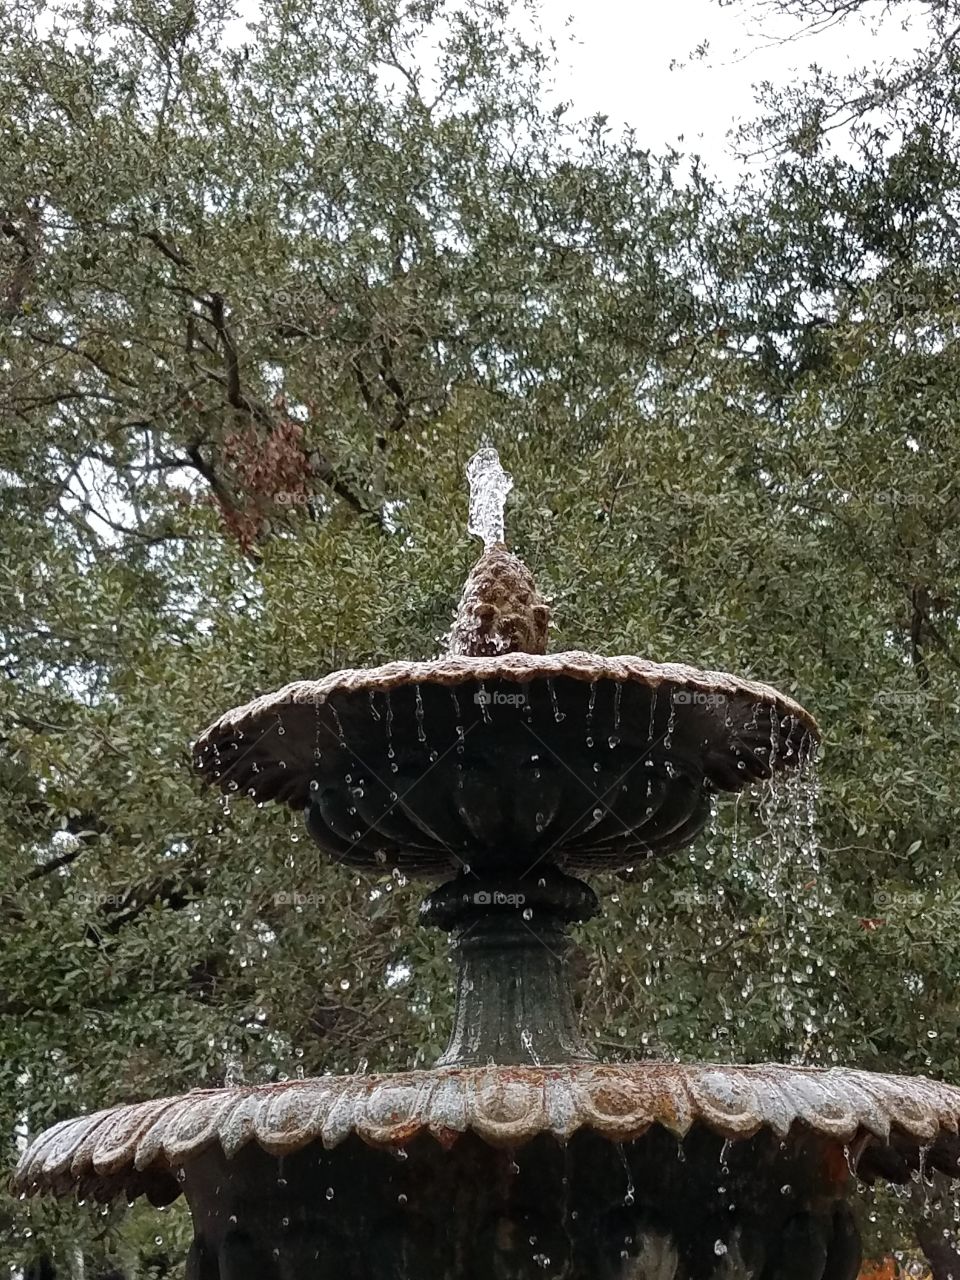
x=489 y=486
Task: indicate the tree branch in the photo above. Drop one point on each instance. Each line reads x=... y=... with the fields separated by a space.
x=27 y=237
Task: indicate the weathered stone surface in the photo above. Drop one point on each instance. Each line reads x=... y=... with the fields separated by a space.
x=885 y=1120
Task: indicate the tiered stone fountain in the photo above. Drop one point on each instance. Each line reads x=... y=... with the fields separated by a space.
x=505 y=772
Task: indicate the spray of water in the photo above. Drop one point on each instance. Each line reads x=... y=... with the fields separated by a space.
x=489 y=486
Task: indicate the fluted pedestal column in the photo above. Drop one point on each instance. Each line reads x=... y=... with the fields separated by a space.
x=514 y=995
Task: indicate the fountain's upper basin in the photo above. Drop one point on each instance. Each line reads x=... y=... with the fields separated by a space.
x=591 y=763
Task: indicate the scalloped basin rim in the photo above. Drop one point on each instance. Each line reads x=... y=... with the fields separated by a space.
x=515 y=667
x=132 y=1148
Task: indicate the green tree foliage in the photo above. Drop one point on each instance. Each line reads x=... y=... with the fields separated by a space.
x=262 y=293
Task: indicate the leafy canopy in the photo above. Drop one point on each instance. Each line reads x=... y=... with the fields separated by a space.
x=262 y=293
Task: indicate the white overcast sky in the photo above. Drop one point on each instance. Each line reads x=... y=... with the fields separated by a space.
x=631 y=60
x=619 y=63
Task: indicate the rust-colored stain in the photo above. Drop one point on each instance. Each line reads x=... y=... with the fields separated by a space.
x=837 y=1164
x=880 y=1269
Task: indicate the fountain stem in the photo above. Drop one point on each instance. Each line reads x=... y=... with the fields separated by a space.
x=514 y=1000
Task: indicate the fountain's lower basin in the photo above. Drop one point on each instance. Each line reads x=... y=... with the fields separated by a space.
x=584 y=1210
x=580 y=1171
